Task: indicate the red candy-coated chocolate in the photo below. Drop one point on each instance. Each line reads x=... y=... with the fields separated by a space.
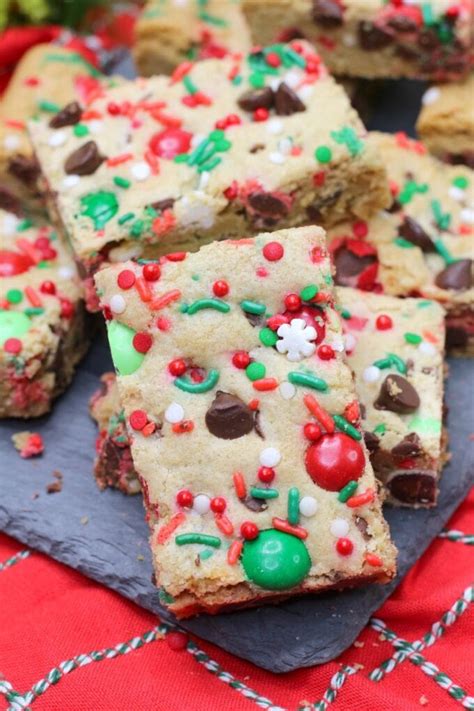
x=170 y=142
x=344 y=546
x=218 y=504
x=151 y=272
x=13 y=346
x=249 y=530
x=241 y=359
x=48 y=287
x=138 y=419
x=292 y=302
x=142 y=342
x=260 y=114
x=311 y=431
x=273 y=251
x=266 y=474
x=177 y=641
x=325 y=352
x=383 y=322
x=13 y=263
x=67 y=308
x=273 y=59
x=334 y=460
x=184 y=498
x=126 y=279
x=360 y=229
x=220 y=288
x=177 y=367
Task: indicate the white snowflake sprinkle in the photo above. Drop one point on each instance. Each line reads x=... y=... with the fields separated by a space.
x=274 y=126
x=277 y=158
x=296 y=339
x=457 y=193
x=467 y=215
x=66 y=272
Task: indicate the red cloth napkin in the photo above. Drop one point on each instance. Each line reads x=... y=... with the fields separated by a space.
x=67 y=643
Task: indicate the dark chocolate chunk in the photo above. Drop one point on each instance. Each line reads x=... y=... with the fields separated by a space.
x=397 y=395
x=258 y=424
x=349 y=266
x=253 y=504
x=68 y=116
x=410 y=446
x=268 y=204
x=162 y=205
x=456 y=276
x=287 y=102
x=255 y=319
x=25 y=168
x=372 y=37
x=257 y=99
x=395 y=206
x=9 y=201
x=257 y=147
x=85 y=160
x=362 y=525
x=315 y=210
x=327 y=13
x=413 y=232
x=414 y=487
x=402 y=23
x=428 y=38
x=229 y=417
x=456 y=337
x=372 y=442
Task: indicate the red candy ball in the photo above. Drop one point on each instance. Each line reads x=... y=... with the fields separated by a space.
x=13 y=346
x=311 y=431
x=170 y=142
x=325 y=352
x=48 y=287
x=184 y=498
x=13 y=263
x=292 y=302
x=67 y=308
x=260 y=114
x=266 y=474
x=360 y=229
x=218 y=504
x=249 y=530
x=151 y=272
x=334 y=460
x=177 y=641
x=273 y=251
x=344 y=546
x=126 y=279
x=142 y=342
x=383 y=322
x=177 y=367
x=138 y=419
x=220 y=288
x=241 y=359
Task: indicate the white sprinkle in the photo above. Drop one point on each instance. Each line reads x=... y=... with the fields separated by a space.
x=287 y=390
x=197 y=139
x=275 y=83
x=306 y=92
x=117 y=304
x=174 y=413
x=66 y=272
x=270 y=457
x=371 y=374
x=93 y=42
x=10 y=223
x=201 y=504
x=430 y=96
x=141 y=171
x=292 y=79
x=274 y=126
x=57 y=139
x=285 y=145
x=348 y=40
x=277 y=158
x=427 y=348
x=339 y=527
x=467 y=215
x=349 y=342
x=308 y=506
x=457 y=193
x=70 y=181
x=95 y=126
x=204 y=179
x=337 y=345
x=11 y=141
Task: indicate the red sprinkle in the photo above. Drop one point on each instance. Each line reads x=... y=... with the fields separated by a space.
x=282 y=525
x=220 y=288
x=177 y=367
x=183 y=427
x=233 y=554
x=126 y=279
x=152 y=271
x=142 y=342
x=218 y=504
x=232 y=191
x=360 y=229
x=163 y=323
x=184 y=498
x=352 y=412
x=273 y=59
x=138 y=419
x=176 y=256
x=366 y=498
x=67 y=308
x=177 y=641
x=311 y=431
x=33 y=296
x=165 y=531
x=241 y=359
x=274 y=322
x=162 y=301
x=319 y=178
x=344 y=546
x=292 y=302
x=373 y=559
x=273 y=251
x=48 y=287
x=266 y=474
x=325 y=352
x=249 y=530
x=254 y=404
x=265 y=384
x=117 y=160
x=144 y=291
x=383 y=322
x=224 y=524
x=323 y=417
x=260 y=114
x=13 y=346
x=239 y=485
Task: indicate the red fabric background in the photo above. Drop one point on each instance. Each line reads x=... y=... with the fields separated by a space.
x=50 y=613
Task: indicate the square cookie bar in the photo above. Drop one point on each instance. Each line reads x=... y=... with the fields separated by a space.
x=373 y=38
x=446 y=121
x=222 y=148
x=46 y=79
x=424 y=246
x=236 y=395
x=113 y=466
x=395 y=348
x=169 y=32
x=43 y=328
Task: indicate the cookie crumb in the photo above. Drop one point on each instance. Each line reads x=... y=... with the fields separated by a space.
x=423 y=700
x=359 y=645
x=84 y=520
x=55 y=487
x=28 y=444
x=140 y=557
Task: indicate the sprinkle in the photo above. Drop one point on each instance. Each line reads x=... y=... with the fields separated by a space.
x=427 y=348
x=138 y=419
x=430 y=96
x=174 y=413
x=282 y=525
x=165 y=531
x=308 y=506
x=323 y=417
x=345 y=493
x=309 y=292
x=239 y=485
x=233 y=554
x=56 y=139
x=198 y=388
x=323 y=154
x=117 y=304
x=293 y=506
x=287 y=390
x=33 y=297
x=255 y=371
x=307 y=380
x=143 y=288
x=141 y=171
x=187 y=538
x=346 y=427
x=122 y=182
x=70 y=181
x=216 y=304
x=443 y=251
x=270 y=457
x=201 y=504
x=253 y=307
x=365 y=498
x=339 y=527
x=48 y=106
x=268 y=337
x=259 y=493
x=224 y=525
x=412 y=338
x=371 y=374
x=126 y=279
x=372 y=559
x=165 y=300
x=265 y=384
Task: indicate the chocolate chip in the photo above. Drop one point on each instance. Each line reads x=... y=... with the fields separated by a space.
x=456 y=276
x=257 y=99
x=255 y=319
x=410 y=446
x=362 y=525
x=255 y=505
x=395 y=206
x=162 y=205
x=327 y=13
x=413 y=232
x=9 y=201
x=68 y=116
x=397 y=395
x=349 y=266
x=25 y=168
x=428 y=39
x=287 y=102
x=402 y=23
x=267 y=204
x=315 y=209
x=229 y=417
x=257 y=147
x=372 y=37
x=414 y=487
x=85 y=160
x=258 y=424
x=372 y=442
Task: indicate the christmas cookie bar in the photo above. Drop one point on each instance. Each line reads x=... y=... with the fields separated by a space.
x=424 y=245
x=47 y=78
x=395 y=348
x=244 y=424
x=224 y=147
x=172 y=31
x=113 y=466
x=446 y=121
x=373 y=38
x=43 y=329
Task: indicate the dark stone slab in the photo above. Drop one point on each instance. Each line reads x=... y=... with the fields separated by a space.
x=109 y=547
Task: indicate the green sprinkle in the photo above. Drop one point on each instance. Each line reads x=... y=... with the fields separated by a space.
x=442 y=219
x=183 y=308
x=181 y=158
x=294 y=57
x=346 y=427
x=268 y=337
x=125 y=218
x=424 y=304
x=347 y=491
x=48 y=106
x=212 y=19
x=14 y=296
x=461 y=182
x=197 y=388
x=323 y=154
x=185 y=538
x=237 y=80
x=206 y=554
x=253 y=307
x=80 y=130
x=346 y=314
x=413 y=338
x=427 y=12
x=383 y=363
x=216 y=304
x=196 y=155
x=398 y=363
x=348 y=137
x=293 y=506
x=443 y=251
x=34 y=311
x=257 y=80
x=307 y=380
x=210 y=165
x=217 y=134
x=137 y=228
x=24 y=225
x=425 y=425
x=255 y=371
x=122 y=182
x=309 y=292
x=190 y=86
x=380 y=429
x=403 y=243
x=259 y=493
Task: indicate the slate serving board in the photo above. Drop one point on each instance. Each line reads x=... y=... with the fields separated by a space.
x=112 y=548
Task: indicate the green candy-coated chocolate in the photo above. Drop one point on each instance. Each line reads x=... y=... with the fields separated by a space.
x=13 y=324
x=100 y=207
x=126 y=359
x=275 y=560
